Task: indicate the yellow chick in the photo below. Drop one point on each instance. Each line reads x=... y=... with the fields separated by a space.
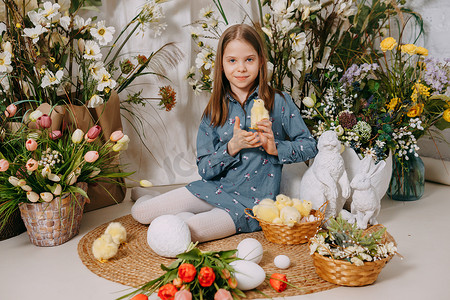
x=267 y=201
x=304 y=207
x=266 y=212
x=117 y=232
x=104 y=248
x=290 y=215
x=277 y=221
x=258 y=112
x=282 y=201
x=307 y=206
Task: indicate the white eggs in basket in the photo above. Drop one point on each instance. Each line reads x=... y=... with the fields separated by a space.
x=249 y=275
x=250 y=249
x=282 y=261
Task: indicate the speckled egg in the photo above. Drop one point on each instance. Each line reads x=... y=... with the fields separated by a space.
x=282 y=261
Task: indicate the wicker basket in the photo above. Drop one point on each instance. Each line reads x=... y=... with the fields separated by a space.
x=300 y=233
x=342 y=272
x=54 y=223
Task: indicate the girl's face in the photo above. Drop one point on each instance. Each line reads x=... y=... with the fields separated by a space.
x=241 y=67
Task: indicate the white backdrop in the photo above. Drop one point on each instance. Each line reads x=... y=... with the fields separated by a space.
x=171 y=136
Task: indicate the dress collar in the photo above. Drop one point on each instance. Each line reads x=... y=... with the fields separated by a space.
x=252 y=96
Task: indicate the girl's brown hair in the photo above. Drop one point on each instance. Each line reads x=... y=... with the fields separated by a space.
x=217 y=108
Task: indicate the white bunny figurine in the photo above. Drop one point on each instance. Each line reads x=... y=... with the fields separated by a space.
x=326 y=179
x=365 y=204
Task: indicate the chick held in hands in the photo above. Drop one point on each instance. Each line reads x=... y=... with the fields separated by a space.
x=258 y=113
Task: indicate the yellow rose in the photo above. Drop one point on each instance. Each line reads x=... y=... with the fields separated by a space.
x=422 y=51
x=409 y=48
x=415 y=111
x=446 y=115
x=388 y=44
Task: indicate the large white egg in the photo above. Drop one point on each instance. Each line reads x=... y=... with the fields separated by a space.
x=250 y=249
x=249 y=275
x=168 y=236
x=282 y=261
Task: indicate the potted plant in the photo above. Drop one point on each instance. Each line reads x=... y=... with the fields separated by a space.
x=45 y=174
x=346 y=255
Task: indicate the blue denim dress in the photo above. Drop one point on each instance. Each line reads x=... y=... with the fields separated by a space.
x=239 y=182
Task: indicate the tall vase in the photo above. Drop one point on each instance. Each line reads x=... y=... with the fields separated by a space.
x=408 y=178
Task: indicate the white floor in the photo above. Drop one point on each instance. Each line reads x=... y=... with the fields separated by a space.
x=421 y=229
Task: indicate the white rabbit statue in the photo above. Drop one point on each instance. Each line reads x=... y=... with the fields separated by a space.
x=366 y=203
x=326 y=179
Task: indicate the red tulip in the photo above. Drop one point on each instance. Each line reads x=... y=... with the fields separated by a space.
x=55 y=134
x=44 y=121
x=93 y=133
x=31 y=145
x=10 y=110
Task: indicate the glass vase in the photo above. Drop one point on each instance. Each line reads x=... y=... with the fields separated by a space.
x=408 y=178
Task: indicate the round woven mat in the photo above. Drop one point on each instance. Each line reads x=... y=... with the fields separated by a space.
x=136 y=263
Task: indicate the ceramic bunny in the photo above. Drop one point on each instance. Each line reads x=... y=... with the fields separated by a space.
x=326 y=179
x=365 y=203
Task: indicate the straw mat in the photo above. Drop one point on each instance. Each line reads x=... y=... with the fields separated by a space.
x=136 y=263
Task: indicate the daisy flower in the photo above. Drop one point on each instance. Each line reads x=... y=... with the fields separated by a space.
x=103 y=34
x=92 y=51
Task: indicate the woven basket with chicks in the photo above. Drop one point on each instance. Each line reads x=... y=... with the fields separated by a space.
x=287 y=221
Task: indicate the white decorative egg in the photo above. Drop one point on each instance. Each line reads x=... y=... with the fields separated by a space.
x=168 y=236
x=282 y=261
x=250 y=249
x=249 y=275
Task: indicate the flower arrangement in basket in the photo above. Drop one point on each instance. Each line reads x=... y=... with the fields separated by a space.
x=346 y=255
x=45 y=173
x=287 y=221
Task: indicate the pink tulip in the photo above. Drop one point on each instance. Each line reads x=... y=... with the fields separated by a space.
x=91 y=156
x=93 y=133
x=32 y=165
x=55 y=134
x=4 y=165
x=183 y=295
x=10 y=110
x=31 y=145
x=116 y=135
x=223 y=294
x=44 y=121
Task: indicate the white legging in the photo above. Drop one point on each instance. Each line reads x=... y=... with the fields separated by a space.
x=208 y=223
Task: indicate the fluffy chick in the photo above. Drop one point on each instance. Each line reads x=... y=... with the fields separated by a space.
x=266 y=212
x=267 y=201
x=304 y=207
x=282 y=201
x=258 y=112
x=290 y=215
x=104 y=248
x=117 y=232
x=277 y=221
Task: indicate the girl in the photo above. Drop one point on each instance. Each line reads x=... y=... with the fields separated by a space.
x=239 y=167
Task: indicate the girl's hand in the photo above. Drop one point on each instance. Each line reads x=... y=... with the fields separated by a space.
x=266 y=136
x=242 y=139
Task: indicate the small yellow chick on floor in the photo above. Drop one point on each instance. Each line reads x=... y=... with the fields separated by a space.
x=290 y=215
x=258 y=112
x=282 y=201
x=117 y=232
x=104 y=248
x=266 y=212
x=304 y=207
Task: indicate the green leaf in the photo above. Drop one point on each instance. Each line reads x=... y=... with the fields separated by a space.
x=75 y=189
x=441 y=124
x=194 y=254
x=227 y=254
